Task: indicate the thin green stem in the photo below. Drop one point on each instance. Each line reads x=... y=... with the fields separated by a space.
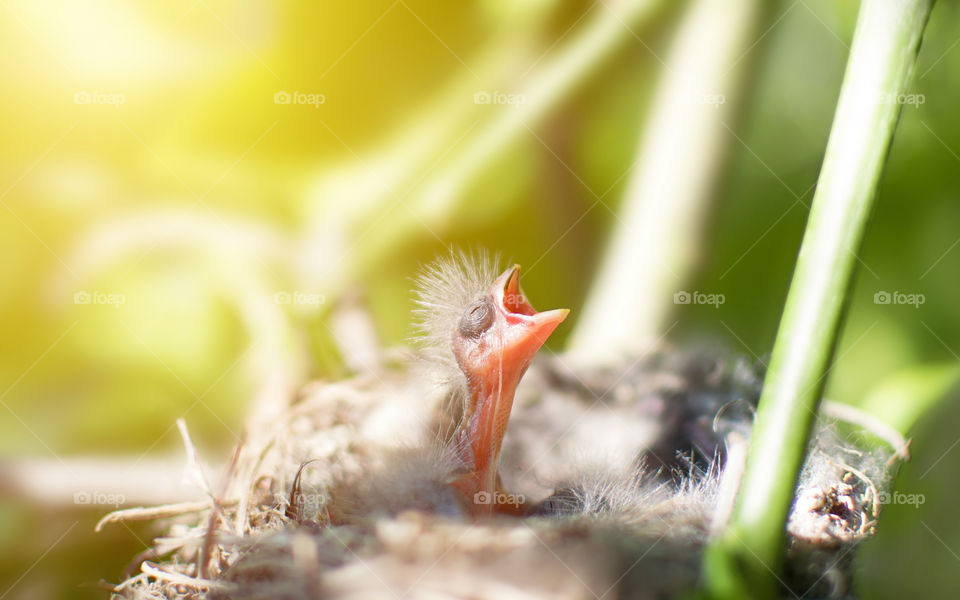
x=743 y=562
x=430 y=205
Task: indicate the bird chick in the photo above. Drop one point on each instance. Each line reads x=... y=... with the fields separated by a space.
x=480 y=333
x=492 y=332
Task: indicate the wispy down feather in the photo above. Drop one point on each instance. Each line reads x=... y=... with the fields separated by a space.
x=444 y=290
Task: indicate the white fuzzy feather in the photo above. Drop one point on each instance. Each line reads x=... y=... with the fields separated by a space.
x=445 y=288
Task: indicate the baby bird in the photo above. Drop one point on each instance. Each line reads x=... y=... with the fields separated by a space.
x=481 y=333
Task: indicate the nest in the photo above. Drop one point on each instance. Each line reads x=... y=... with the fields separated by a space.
x=630 y=468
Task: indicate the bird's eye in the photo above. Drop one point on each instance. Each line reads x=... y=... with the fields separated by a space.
x=477 y=318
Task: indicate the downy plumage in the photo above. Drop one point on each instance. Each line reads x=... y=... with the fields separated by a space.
x=480 y=334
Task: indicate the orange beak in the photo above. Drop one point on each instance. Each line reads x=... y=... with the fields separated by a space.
x=518 y=332
x=522 y=334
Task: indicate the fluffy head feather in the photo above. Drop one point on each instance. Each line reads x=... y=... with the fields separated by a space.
x=445 y=288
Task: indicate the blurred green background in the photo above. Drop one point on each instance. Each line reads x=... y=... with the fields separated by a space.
x=188 y=189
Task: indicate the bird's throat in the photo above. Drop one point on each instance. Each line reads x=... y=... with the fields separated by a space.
x=481 y=437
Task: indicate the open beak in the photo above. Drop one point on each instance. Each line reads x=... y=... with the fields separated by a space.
x=526 y=329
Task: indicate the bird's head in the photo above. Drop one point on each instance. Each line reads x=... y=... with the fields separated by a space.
x=499 y=333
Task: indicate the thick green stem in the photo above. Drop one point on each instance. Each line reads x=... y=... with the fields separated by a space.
x=744 y=561
x=655 y=243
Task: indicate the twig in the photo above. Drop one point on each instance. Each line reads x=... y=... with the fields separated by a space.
x=157 y=512
x=852 y=414
x=177 y=578
x=210 y=538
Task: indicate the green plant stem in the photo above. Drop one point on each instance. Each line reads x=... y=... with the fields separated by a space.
x=744 y=560
x=655 y=243
x=431 y=205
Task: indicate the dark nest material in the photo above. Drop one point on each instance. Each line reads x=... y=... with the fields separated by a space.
x=625 y=472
